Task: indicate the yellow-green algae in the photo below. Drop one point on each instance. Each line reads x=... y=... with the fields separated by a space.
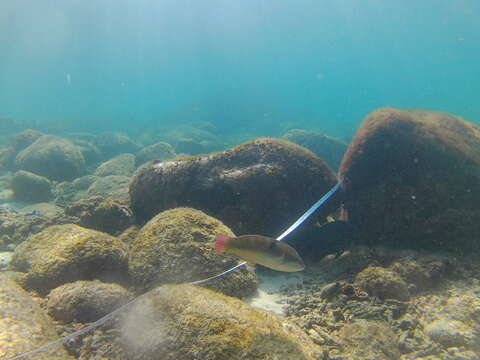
x=177 y=246
x=64 y=253
x=187 y=322
x=24 y=326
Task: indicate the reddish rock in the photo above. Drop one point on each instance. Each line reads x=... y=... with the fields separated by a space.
x=411 y=179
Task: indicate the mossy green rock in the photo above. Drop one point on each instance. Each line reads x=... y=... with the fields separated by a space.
x=178 y=246
x=158 y=151
x=411 y=179
x=26 y=138
x=24 y=326
x=261 y=186
x=85 y=301
x=190 y=323
x=30 y=187
x=65 y=253
x=328 y=148
x=122 y=165
x=115 y=143
x=53 y=157
x=115 y=186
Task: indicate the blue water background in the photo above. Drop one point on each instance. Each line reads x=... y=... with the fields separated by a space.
x=246 y=65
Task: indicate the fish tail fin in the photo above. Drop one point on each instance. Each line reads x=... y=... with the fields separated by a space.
x=220 y=243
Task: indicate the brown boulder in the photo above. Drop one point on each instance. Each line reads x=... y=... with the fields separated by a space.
x=411 y=179
x=261 y=186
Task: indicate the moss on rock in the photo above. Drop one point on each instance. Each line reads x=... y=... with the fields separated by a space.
x=177 y=246
x=411 y=178
x=65 y=253
x=187 y=322
x=258 y=187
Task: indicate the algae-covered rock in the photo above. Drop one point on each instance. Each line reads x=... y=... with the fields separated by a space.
x=30 y=187
x=85 y=301
x=26 y=138
x=89 y=150
x=112 y=144
x=65 y=253
x=7 y=158
x=178 y=246
x=115 y=186
x=365 y=339
x=24 y=326
x=383 y=283
x=121 y=165
x=189 y=323
x=158 y=151
x=108 y=215
x=53 y=157
x=411 y=179
x=328 y=148
x=261 y=186
x=43 y=208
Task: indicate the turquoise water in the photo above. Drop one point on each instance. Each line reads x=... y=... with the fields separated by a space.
x=257 y=66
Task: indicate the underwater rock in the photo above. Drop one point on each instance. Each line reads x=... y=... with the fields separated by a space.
x=424 y=272
x=260 y=187
x=365 y=339
x=16 y=227
x=189 y=323
x=107 y=215
x=85 y=301
x=193 y=139
x=53 y=157
x=43 y=208
x=7 y=159
x=411 y=180
x=26 y=138
x=121 y=165
x=24 y=326
x=91 y=153
x=114 y=186
x=382 y=283
x=178 y=246
x=65 y=253
x=328 y=148
x=30 y=187
x=6 y=196
x=450 y=332
x=113 y=144
x=158 y=151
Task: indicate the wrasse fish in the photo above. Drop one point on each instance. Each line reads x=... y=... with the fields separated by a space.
x=261 y=250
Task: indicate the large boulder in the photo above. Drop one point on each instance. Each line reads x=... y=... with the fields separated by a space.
x=158 y=151
x=261 y=186
x=115 y=186
x=26 y=138
x=411 y=179
x=30 y=187
x=24 y=326
x=65 y=253
x=178 y=246
x=85 y=301
x=328 y=148
x=121 y=165
x=189 y=323
x=53 y=157
x=115 y=143
x=106 y=215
